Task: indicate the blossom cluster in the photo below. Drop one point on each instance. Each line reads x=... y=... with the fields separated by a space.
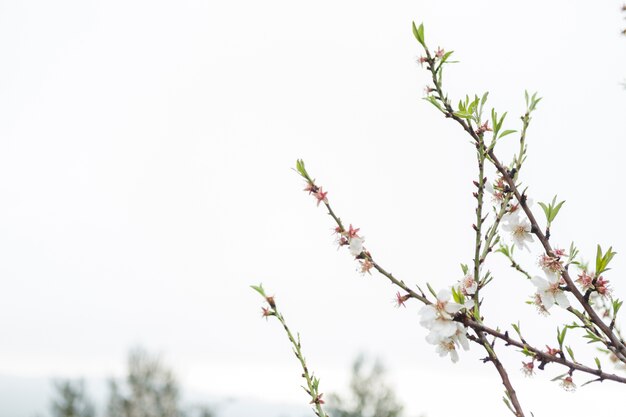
x=518 y=226
x=354 y=242
x=350 y=237
x=445 y=333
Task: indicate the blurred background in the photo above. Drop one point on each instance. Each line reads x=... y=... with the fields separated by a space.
x=146 y=155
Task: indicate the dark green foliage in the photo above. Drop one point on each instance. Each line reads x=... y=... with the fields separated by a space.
x=71 y=400
x=370 y=396
x=150 y=390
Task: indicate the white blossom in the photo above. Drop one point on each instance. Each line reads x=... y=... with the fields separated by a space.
x=356 y=246
x=445 y=333
x=550 y=292
x=448 y=345
x=520 y=231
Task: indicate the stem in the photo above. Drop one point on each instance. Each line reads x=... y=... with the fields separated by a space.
x=504 y=376
x=311 y=381
x=480 y=148
x=312 y=389
x=543 y=357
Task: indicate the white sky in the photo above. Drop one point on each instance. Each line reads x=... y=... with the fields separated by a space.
x=145 y=172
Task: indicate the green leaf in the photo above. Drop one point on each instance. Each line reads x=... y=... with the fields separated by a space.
x=484 y=99
x=507 y=132
x=617 y=304
x=560 y=336
x=602 y=260
x=526 y=97
x=431 y=290
x=259 y=289
x=571 y=353
x=464 y=115
x=457 y=296
x=477 y=313
x=418 y=32
x=504 y=249
x=556 y=209
x=558 y=378
x=445 y=57
x=434 y=102
x=302 y=170
x=508 y=404
x=598 y=364
x=502 y=120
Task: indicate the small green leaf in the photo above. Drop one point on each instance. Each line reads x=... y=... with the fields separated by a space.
x=507 y=132
x=484 y=99
x=571 y=353
x=503 y=249
x=501 y=120
x=526 y=97
x=259 y=289
x=302 y=170
x=464 y=115
x=556 y=209
x=560 y=336
x=508 y=404
x=431 y=290
x=477 y=313
x=603 y=260
x=457 y=296
x=418 y=32
x=598 y=364
x=434 y=102
x=617 y=304
x=558 y=378
x=445 y=57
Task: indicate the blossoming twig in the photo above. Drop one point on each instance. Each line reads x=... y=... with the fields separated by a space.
x=312 y=382
x=441 y=101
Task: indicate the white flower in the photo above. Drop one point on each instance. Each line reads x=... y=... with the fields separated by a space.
x=443 y=308
x=497 y=194
x=550 y=292
x=520 y=231
x=444 y=333
x=356 y=246
x=515 y=212
x=468 y=285
x=448 y=345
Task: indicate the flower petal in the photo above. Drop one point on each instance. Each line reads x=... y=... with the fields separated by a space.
x=561 y=299
x=540 y=283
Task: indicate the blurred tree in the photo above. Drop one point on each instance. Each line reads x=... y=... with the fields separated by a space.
x=151 y=390
x=71 y=400
x=370 y=396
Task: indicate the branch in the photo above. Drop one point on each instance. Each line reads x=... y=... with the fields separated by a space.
x=493 y=358
x=311 y=380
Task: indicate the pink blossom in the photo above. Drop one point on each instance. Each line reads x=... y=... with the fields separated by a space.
x=528 y=368
x=483 y=128
x=321 y=196
x=366 y=265
x=401 y=299
x=567 y=384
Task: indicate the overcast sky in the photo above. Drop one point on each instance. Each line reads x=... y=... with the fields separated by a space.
x=146 y=150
